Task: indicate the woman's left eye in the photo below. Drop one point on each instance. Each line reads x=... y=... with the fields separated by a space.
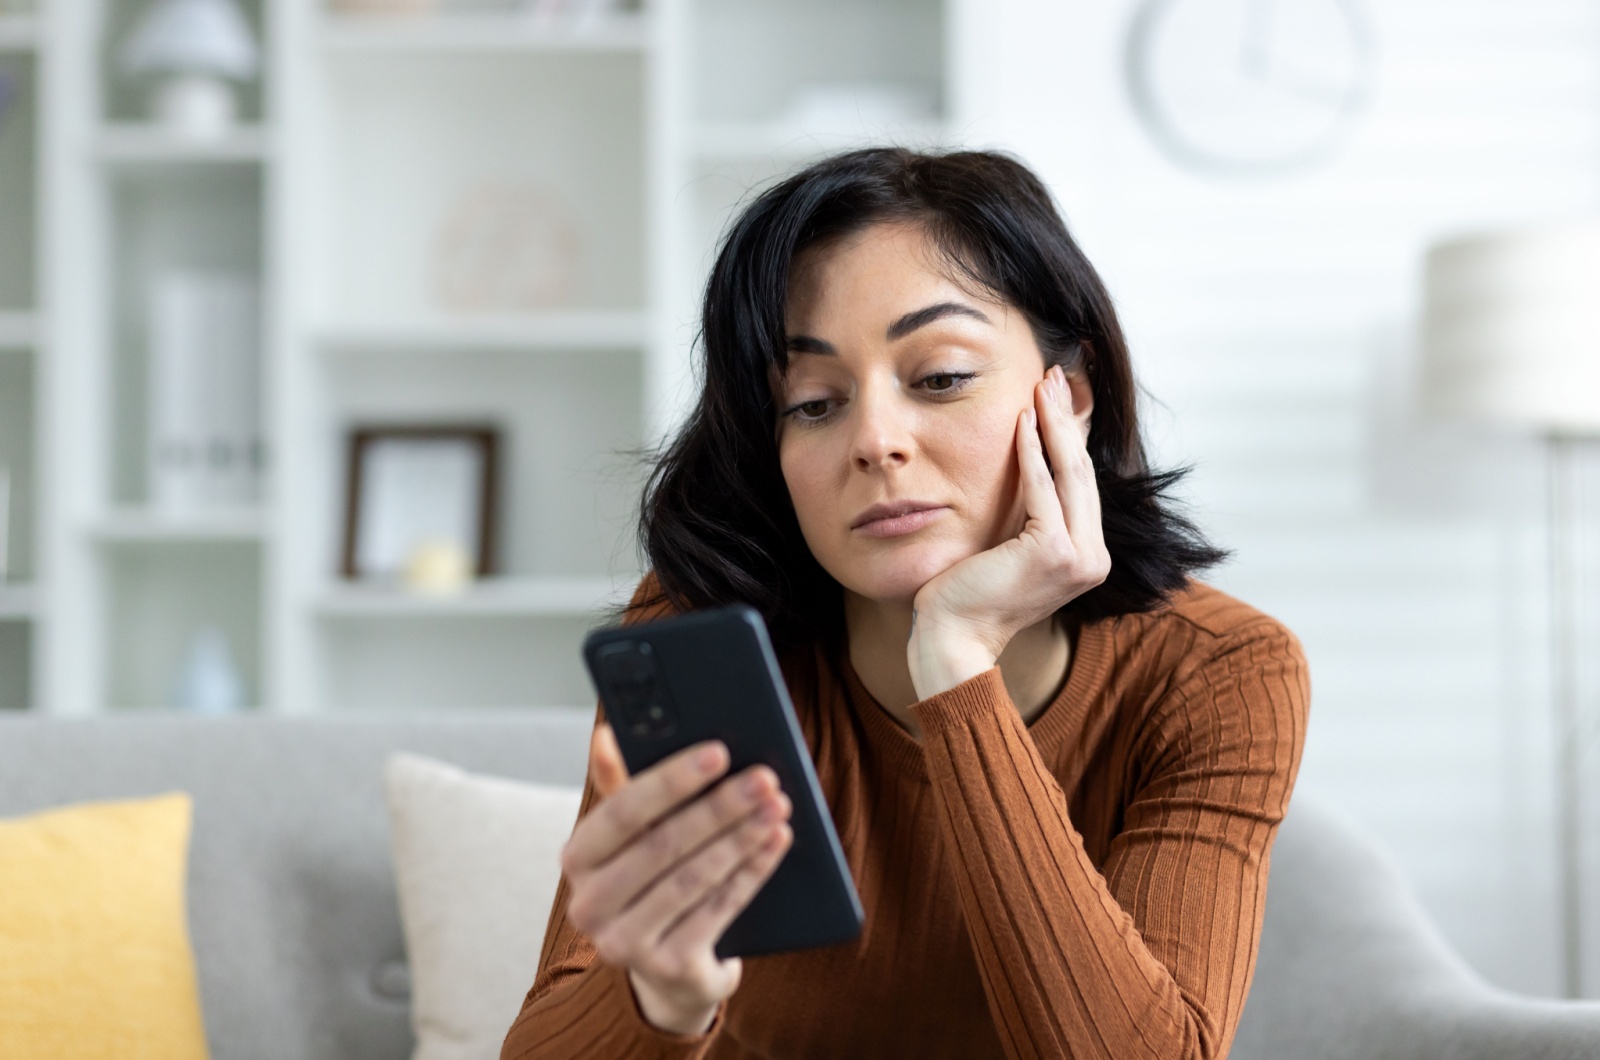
x=944 y=382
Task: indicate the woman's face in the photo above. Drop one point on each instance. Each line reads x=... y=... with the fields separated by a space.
x=898 y=412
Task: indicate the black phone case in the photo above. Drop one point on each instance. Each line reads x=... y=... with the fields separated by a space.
x=720 y=680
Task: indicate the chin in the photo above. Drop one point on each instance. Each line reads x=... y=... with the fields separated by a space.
x=895 y=578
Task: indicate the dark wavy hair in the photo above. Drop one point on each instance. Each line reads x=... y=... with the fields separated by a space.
x=717 y=524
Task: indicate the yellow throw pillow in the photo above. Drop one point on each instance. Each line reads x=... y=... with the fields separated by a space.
x=95 y=958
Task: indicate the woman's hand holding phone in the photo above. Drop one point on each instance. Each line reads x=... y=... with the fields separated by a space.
x=663 y=864
x=964 y=617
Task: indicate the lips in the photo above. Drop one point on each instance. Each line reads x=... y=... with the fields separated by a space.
x=891 y=520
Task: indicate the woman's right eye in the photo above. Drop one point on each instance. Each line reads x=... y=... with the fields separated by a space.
x=810 y=410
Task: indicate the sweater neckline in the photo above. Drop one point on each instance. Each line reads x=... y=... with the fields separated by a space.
x=1086 y=670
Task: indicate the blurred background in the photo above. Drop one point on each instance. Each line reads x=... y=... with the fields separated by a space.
x=327 y=326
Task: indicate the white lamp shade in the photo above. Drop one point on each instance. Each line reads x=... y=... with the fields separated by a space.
x=192 y=37
x=1511 y=330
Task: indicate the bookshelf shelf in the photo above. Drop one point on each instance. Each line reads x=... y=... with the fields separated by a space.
x=785 y=142
x=136 y=526
x=560 y=330
x=131 y=144
x=509 y=597
x=491 y=32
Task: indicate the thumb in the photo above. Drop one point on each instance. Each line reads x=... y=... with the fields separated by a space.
x=605 y=761
x=733 y=968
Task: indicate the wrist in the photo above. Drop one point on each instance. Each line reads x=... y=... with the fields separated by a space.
x=941 y=656
x=666 y=1015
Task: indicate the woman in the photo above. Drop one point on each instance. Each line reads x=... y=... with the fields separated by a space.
x=1056 y=762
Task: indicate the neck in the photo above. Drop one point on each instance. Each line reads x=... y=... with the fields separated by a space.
x=1033 y=666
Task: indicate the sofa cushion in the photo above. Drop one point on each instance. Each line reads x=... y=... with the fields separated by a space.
x=477 y=860
x=94 y=941
x=292 y=905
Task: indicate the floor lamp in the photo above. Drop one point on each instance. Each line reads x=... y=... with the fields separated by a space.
x=1511 y=337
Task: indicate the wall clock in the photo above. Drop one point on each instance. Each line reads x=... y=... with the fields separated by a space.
x=1250 y=86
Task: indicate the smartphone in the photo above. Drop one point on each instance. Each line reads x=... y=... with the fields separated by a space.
x=712 y=675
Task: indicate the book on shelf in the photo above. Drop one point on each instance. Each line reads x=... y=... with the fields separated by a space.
x=205 y=384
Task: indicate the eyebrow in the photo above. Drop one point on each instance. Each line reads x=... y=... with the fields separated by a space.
x=898 y=330
x=927 y=315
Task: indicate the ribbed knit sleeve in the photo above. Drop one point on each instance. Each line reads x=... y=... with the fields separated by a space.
x=1153 y=957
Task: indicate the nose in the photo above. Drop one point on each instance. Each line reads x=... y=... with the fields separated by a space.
x=883 y=436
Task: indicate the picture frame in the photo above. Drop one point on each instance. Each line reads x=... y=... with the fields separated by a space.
x=410 y=485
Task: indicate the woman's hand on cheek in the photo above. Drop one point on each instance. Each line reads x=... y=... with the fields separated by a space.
x=965 y=617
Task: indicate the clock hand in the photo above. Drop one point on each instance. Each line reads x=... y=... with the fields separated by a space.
x=1255 y=58
x=1256 y=61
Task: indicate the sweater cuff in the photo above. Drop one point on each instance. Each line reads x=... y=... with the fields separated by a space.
x=634 y=1035
x=976 y=697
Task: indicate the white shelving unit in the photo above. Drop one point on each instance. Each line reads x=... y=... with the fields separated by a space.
x=639 y=130
x=24 y=64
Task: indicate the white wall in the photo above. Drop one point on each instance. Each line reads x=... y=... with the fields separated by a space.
x=1273 y=319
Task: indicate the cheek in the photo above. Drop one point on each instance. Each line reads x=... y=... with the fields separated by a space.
x=983 y=454
x=806 y=475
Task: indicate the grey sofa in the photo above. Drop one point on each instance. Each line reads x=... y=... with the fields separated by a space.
x=297 y=932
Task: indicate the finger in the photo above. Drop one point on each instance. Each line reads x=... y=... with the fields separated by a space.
x=657 y=854
x=703 y=924
x=605 y=761
x=692 y=880
x=1039 y=497
x=1077 y=493
x=642 y=801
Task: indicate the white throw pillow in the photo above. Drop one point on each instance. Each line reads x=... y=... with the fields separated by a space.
x=477 y=860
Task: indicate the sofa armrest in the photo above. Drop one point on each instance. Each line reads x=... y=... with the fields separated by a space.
x=1351 y=967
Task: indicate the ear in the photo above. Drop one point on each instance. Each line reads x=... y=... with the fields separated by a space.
x=1082 y=398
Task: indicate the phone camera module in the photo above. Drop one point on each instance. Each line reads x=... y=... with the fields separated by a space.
x=636 y=690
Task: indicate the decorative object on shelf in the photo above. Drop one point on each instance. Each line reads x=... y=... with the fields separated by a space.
x=1510 y=338
x=438 y=566
x=417 y=493
x=506 y=247
x=198 y=43
x=208 y=681
x=205 y=384
x=1250 y=87
x=5 y=522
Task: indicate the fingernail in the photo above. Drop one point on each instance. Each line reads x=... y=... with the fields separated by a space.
x=1029 y=418
x=753 y=784
x=709 y=760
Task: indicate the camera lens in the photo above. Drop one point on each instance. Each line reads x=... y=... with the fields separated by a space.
x=635 y=684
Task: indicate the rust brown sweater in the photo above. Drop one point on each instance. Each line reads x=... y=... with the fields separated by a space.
x=1088 y=885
